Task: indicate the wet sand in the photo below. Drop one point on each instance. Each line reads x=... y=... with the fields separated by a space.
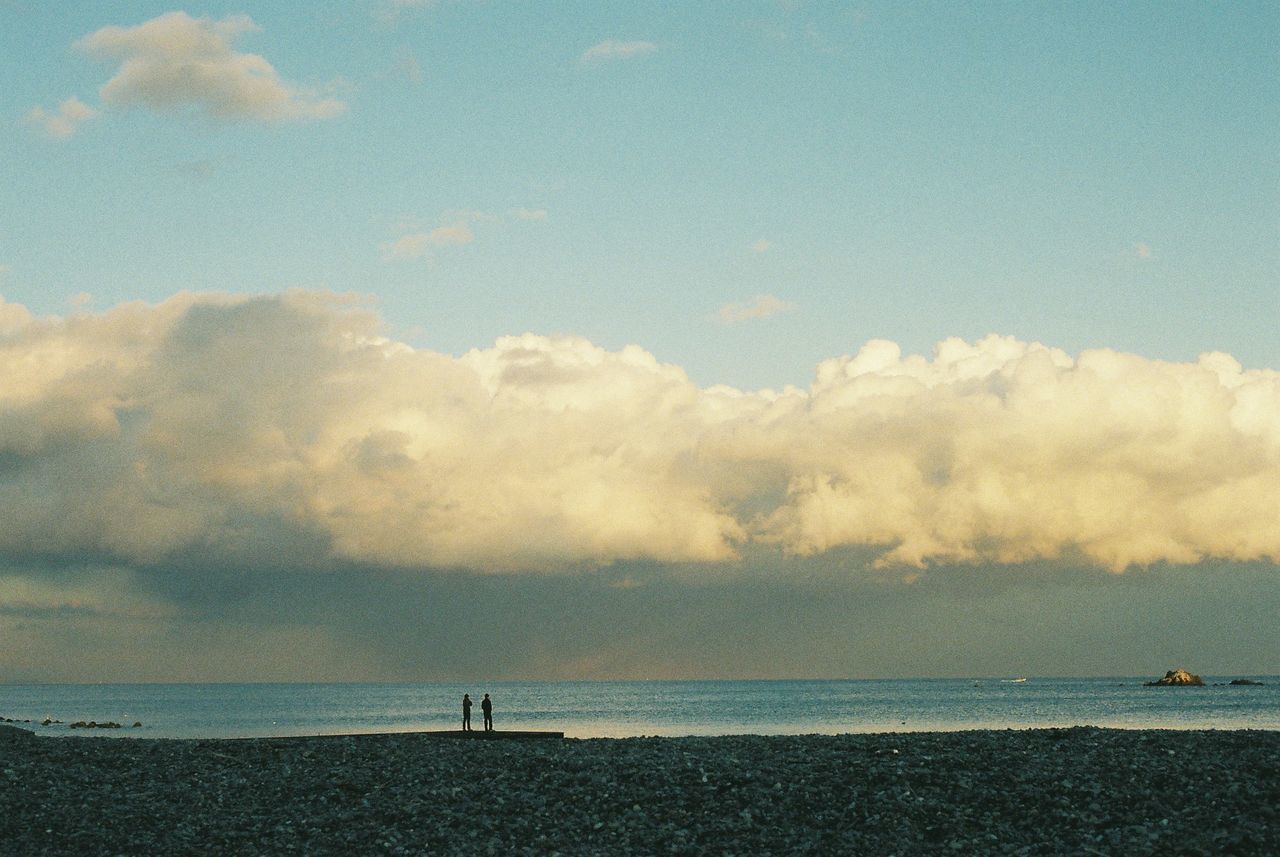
x=1046 y=791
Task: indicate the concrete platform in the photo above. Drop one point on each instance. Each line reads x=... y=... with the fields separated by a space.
x=495 y=735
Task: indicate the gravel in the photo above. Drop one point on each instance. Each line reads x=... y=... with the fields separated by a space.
x=1045 y=791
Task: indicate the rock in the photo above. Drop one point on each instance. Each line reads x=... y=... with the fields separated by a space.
x=137 y=723
x=1177 y=678
x=1245 y=681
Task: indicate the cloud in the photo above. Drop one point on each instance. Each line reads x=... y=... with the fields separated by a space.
x=762 y=245
x=1143 y=250
x=409 y=68
x=389 y=11
x=611 y=49
x=226 y=426
x=761 y=306
x=65 y=121
x=176 y=62
x=415 y=245
x=105 y=593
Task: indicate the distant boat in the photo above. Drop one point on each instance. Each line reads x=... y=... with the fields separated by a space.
x=1019 y=680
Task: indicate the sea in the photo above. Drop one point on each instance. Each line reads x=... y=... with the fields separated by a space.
x=593 y=709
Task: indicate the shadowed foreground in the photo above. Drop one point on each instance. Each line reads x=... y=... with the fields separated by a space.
x=1054 y=791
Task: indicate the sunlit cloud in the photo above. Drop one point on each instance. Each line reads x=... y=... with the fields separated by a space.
x=225 y=424
x=1143 y=250
x=761 y=306
x=175 y=62
x=63 y=122
x=611 y=49
x=762 y=245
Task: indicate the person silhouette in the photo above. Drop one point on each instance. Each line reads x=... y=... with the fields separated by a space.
x=487 y=707
x=466 y=712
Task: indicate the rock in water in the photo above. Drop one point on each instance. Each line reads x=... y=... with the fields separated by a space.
x=1245 y=681
x=1178 y=678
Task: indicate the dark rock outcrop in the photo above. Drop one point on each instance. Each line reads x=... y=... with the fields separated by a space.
x=1177 y=678
x=1245 y=681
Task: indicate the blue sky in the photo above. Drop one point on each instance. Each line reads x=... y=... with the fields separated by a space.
x=1082 y=176
x=685 y=340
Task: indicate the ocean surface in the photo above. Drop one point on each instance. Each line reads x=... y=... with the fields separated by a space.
x=625 y=708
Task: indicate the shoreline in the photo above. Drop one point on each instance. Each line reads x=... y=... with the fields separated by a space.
x=1036 y=791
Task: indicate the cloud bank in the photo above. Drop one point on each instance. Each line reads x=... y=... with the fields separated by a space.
x=237 y=425
x=175 y=61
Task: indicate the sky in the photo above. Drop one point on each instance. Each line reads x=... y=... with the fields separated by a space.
x=438 y=339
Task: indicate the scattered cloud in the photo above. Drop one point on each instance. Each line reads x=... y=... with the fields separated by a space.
x=201 y=169
x=176 y=62
x=611 y=49
x=389 y=12
x=415 y=245
x=762 y=245
x=416 y=242
x=63 y=122
x=761 y=306
x=128 y=445
x=408 y=68
x=1143 y=250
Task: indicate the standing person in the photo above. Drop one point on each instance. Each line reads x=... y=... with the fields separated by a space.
x=466 y=712
x=487 y=707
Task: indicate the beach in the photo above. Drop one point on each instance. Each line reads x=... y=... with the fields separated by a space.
x=1048 y=791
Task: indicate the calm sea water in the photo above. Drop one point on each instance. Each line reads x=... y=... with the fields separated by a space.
x=595 y=709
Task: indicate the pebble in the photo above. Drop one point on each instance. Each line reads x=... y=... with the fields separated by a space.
x=873 y=794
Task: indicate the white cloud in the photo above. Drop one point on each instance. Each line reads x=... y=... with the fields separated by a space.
x=415 y=245
x=1143 y=250
x=762 y=245
x=175 y=62
x=64 y=121
x=213 y=422
x=409 y=68
x=614 y=50
x=761 y=306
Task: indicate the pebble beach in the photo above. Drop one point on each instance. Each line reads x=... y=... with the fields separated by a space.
x=1044 y=791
